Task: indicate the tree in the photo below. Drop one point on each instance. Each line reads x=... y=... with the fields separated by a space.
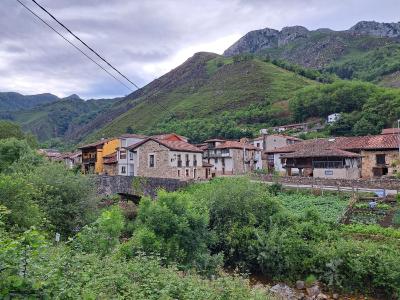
x=10 y=130
x=11 y=150
x=174 y=229
x=67 y=198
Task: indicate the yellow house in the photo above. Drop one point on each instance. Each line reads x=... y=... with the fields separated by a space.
x=109 y=146
x=93 y=154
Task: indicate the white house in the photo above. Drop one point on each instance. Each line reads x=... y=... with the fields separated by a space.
x=125 y=160
x=332 y=118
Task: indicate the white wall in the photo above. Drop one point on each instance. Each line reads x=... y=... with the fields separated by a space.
x=128 y=163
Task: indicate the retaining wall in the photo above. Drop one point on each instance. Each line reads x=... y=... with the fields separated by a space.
x=378 y=183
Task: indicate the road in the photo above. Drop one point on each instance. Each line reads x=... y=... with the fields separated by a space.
x=332 y=188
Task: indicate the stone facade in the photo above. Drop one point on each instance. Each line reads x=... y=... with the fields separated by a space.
x=167 y=163
x=110 y=185
x=370 y=162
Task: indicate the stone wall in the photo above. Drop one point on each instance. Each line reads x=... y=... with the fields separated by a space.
x=138 y=186
x=379 y=183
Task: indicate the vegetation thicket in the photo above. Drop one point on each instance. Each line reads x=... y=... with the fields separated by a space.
x=176 y=247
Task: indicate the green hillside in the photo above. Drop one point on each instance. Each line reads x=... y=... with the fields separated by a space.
x=58 y=119
x=10 y=101
x=210 y=95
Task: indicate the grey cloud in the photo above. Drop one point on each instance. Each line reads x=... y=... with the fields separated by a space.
x=138 y=36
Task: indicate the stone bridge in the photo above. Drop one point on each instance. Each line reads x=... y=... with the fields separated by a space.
x=131 y=186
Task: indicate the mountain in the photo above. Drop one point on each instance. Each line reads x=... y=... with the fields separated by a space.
x=208 y=95
x=10 y=101
x=58 y=119
x=367 y=51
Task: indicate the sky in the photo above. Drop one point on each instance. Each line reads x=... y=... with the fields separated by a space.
x=145 y=39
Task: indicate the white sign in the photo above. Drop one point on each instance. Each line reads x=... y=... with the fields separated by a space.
x=57 y=237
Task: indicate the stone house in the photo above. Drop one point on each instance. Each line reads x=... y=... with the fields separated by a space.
x=271 y=142
x=231 y=157
x=379 y=154
x=175 y=159
x=323 y=163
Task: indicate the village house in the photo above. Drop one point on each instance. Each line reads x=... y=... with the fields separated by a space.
x=125 y=160
x=50 y=154
x=231 y=157
x=293 y=127
x=376 y=156
x=93 y=155
x=71 y=160
x=332 y=118
x=268 y=142
x=167 y=158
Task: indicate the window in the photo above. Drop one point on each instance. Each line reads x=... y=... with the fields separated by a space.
x=179 y=173
x=130 y=155
x=216 y=160
x=187 y=160
x=122 y=154
x=187 y=173
x=123 y=170
x=223 y=161
x=194 y=173
x=258 y=145
x=194 y=160
x=380 y=159
x=179 y=160
x=151 y=160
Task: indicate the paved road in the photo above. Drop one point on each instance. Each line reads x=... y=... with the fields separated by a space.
x=333 y=188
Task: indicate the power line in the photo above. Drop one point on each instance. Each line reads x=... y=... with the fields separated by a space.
x=73 y=45
x=86 y=45
x=87 y=56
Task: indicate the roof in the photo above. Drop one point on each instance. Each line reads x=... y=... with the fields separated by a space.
x=390 y=131
x=236 y=145
x=95 y=144
x=110 y=158
x=371 y=142
x=171 y=145
x=207 y=164
x=260 y=138
x=214 y=140
x=169 y=136
x=291 y=125
x=320 y=153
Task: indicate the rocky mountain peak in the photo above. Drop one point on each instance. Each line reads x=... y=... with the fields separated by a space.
x=377 y=29
x=289 y=34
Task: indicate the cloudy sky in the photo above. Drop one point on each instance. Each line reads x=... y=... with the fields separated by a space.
x=147 y=38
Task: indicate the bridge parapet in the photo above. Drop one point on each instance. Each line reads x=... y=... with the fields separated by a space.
x=137 y=186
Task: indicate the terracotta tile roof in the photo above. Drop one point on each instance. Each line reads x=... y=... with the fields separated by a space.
x=214 y=140
x=390 y=131
x=95 y=144
x=110 y=158
x=207 y=164
x=236 y=145
x=372 y=142
x=171 y=145
x=293 y=138
x=320 y=153
x=169 y=136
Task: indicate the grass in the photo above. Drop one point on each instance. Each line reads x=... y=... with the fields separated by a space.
x=331 y=208
x=226 y=88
